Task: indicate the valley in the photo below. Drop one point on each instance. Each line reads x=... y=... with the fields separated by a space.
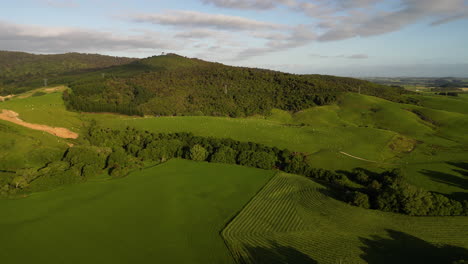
x=149 y=185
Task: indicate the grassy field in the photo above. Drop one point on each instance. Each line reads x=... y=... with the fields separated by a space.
x=457 y=104
x=294 y=220
x=364 y=126
x=367 y=127
x=23 y=148
x=48 y=109
x=172 y=213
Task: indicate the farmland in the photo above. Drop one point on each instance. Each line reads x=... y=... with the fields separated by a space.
x=363 y=126
x=184 y=206
x=294 y=220
x=151 y=215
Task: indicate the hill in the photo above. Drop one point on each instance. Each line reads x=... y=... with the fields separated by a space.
x=19 y=71
x=175 y=85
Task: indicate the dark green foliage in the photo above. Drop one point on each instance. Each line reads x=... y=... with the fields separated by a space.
x=359 y=199
x=21 y=71
x=448 y=93
x=258 y=159
x=174 y=85
x=119 y=151
x=388 y=191
x=224 y=155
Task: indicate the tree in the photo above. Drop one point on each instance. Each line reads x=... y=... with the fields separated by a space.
x=198 y=153
x=360 y=199
x=224 y=155
x=258 y=159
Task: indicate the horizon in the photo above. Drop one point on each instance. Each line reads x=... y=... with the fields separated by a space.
x=371 y=38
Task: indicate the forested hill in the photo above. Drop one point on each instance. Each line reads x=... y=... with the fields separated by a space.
x=19 y=71
x=175 y=85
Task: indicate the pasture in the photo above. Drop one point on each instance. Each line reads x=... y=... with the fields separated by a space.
x=294 y=220
x=22 y=147
x=425 y=145
x=171 y=213
x=48 y=109
x=364 y=126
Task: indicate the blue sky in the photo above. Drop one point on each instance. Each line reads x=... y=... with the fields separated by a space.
x=340 y=37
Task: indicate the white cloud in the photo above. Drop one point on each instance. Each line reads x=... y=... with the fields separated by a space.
x=193 y=19
x=249 y=4
x=65 y=39
x=353 y=56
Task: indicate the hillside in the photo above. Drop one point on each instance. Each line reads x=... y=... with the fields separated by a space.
x=175 y=85
x=19 y=69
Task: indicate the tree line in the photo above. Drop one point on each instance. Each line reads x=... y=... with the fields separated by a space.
x=117 y=152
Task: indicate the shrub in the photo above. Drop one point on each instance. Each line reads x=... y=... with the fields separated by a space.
x=198 y=153
x=359 y=199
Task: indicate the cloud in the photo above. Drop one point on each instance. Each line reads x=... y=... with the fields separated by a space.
x=197 y=34
x=297 y=37
x=354 y=56
x=193 y=19
x=64 y=39
x=365 y=24
x=343 y=19
x=358 y=56
x=249 y=4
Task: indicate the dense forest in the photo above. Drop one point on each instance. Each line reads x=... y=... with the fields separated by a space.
x=175 y=85
x=20 y=71
x=117 y=152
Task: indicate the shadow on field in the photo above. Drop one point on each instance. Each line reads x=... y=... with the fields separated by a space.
x=462 y=167
x=402 y=248
x=276 y=254
x=446 y=178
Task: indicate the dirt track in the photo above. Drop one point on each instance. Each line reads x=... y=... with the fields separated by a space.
x=12 y=116
x=3 y=98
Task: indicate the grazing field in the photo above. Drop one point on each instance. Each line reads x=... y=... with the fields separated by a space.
x=457 y=104
x=22 y=147
x=363 y=126
x=425 y=142
x=48 y=109
x=172 y=213
x=294 y=220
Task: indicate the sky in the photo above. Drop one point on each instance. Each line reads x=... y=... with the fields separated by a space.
x=360 y=38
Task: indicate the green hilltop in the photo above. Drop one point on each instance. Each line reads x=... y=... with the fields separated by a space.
x=19 y=71
x=175 y=85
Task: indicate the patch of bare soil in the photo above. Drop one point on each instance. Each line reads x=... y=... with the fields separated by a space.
x=12 y=116
x=3 y=98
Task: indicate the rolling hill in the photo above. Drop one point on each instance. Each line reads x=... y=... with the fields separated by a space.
x=19 y=71
x=175 y=85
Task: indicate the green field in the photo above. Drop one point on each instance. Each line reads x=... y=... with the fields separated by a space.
x=46 y=109
x=294 y=220
x=23 y=148
x=364 y=126
x=172 y=213
x=457 y=104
